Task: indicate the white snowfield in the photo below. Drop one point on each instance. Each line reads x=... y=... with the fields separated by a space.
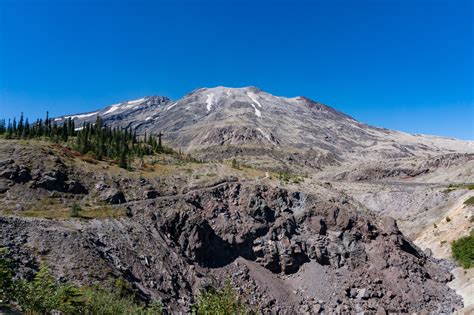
x=253 y=97
x=209 y=101
x=125 y=105
x=112 y=109
x=81 y=115
x=135 y=102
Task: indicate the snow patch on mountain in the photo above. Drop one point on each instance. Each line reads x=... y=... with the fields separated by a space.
x=112 y=109
x=257 y=112
x=81 y=115
x=209 y=101
x=253 y=97
x=134 y=102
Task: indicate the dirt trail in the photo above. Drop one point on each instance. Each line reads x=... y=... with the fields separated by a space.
x=455 y=223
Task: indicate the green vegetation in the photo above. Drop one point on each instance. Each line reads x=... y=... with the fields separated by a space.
x=286 y=178
x=469 y=202
x=235 y=164
x=75 y=210
x=96 y=139
x=452 y=187
x=448 y=219
x=463 y=250
x=44 y=294
x=223 y=301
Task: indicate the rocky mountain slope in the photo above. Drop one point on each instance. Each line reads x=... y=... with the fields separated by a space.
x=267 y=130
x=285 y=248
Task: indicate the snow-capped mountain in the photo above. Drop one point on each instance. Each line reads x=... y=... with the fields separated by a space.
x=221 y=122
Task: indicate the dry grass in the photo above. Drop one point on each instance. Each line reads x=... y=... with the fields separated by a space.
x=55 y=209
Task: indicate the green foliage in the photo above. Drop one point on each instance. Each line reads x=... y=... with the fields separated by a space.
x=97 y=139
x=452 y=187
x=286 y=178
x=123 y=288
x=6 y=277
x=223 y=301
x=235 y=164
x=469 y=202
x=100 y=301
x=155 y=308
x=463 y=250
x=44 y=294
x=448 y=219
x=75 y=210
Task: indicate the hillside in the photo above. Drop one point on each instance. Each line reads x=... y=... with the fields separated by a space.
x=170 y=228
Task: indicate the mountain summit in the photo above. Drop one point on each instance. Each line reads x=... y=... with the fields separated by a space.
x=220 y=122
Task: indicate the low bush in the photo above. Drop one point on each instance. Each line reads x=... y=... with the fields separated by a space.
x=224 y=301
x=44 y=294
x=463 y=250
x=75 y=210
x=470 y=201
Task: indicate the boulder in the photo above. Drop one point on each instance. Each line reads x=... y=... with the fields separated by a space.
x=113 y=196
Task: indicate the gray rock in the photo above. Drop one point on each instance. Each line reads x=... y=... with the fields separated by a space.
x=113 y=196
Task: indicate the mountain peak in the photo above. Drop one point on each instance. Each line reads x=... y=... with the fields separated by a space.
x=210 y=118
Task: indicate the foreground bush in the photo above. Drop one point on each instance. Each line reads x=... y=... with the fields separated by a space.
x=463 y=250
x=223 y=301
x=469 y=202
x=44 y=294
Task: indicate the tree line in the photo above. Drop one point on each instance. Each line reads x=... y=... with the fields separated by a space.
x=97 y=139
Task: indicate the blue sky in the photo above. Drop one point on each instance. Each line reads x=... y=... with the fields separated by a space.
x=399 y=64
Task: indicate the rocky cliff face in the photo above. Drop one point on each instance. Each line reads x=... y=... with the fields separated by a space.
x=284 y=249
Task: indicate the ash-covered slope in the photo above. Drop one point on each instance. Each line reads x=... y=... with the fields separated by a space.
x=221 y=122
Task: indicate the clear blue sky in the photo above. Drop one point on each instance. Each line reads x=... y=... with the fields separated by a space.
x=405 y=64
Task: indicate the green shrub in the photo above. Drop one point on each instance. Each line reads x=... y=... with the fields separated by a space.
x=448 y=219
x=235 y=164
x=223 y=301
x=6 y=276
x=286 y=178
x=75 y=210
x=463 y=250
x=470 y=201
x=155 y=308
x=100 y=301
x=44 y=294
